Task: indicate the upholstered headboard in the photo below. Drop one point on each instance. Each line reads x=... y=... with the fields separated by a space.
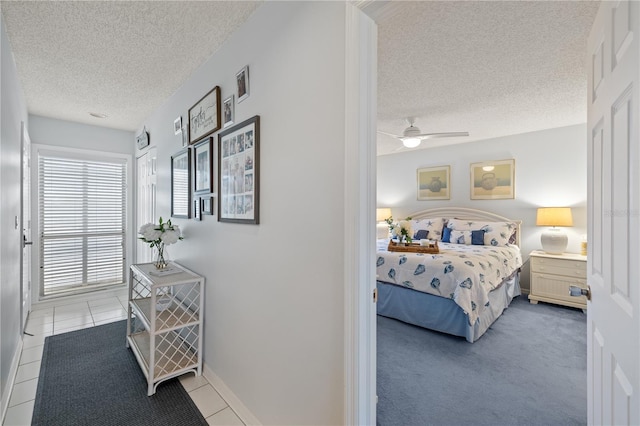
x=468 y=214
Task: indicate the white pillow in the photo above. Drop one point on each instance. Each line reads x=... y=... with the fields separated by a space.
x=460 y=237
x=433 y=225
x=495 y=233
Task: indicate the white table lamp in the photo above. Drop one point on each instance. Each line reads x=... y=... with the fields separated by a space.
x=554 y=240
x=382 y=228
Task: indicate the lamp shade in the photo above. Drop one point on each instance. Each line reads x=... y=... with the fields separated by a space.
x=554 y=216
x=382 y=214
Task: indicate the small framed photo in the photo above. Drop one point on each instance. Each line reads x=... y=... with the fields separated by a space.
x=493 y=180
x=434 y=183
x=239 y=173
x=204 y=116
x=180 y=178
x=177 y=126
x=197 y=212
x=228 y=112
x=242 y=81
x=207 y=205
x=203 y=166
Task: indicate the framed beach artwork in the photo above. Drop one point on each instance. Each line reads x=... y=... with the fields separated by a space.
x=180 y=184
x=203 y=166
x=434 y=183
x=239 y=173
x=204 y=116
x=493 y=180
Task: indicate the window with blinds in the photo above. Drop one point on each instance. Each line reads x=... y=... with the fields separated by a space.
x=82 y=218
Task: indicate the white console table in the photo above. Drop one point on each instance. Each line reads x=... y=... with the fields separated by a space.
x=164 y=321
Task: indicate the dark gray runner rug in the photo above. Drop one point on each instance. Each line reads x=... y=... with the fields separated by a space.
x=89 y=377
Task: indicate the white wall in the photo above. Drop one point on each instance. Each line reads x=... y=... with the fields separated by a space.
x=51 y=131
x=13 y=111
x=551 y=170
x=274 y=291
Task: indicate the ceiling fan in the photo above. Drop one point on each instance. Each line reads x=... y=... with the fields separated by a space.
x=411 y=137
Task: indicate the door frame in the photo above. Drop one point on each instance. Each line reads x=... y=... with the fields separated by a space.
x=25 y=140
x=359 y=217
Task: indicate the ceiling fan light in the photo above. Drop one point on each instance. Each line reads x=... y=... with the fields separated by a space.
x=411 y=142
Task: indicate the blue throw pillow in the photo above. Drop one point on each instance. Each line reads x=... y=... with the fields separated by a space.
x=477 y=237
x=421 y=234
x=446 y=235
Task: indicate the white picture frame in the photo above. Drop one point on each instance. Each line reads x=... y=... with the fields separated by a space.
x=228 y=111
x=242 y=84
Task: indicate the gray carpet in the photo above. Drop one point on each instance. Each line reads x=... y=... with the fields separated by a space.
x=530 y=368
x=89 y=377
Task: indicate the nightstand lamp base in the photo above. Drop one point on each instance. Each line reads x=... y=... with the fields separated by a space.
x=554 y=241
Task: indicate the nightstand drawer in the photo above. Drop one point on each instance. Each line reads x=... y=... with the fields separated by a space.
x=565 y=267
x=548 y=286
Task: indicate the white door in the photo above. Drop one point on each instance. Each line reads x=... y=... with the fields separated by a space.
x=146 y=199
x=613 y=315
x=25 y=194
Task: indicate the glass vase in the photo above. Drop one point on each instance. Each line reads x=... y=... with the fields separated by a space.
x=160 y=261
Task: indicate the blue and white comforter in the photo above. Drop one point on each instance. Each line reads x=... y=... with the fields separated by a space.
x=464 y=273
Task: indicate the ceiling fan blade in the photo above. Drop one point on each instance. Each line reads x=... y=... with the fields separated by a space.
x=442 y=135
x=389 y=134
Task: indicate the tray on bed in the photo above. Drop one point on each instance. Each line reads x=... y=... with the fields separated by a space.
x=413 y=247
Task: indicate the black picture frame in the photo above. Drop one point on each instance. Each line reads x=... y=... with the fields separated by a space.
x=203 y=167
x=181 y=184
x=204 y=116
x=207 y=205
x=239 y=173
x=197 y=208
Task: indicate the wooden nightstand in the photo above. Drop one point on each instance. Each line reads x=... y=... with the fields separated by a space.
x=553 y=274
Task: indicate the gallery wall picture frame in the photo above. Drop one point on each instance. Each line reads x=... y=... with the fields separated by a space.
x=493 y=180
x=181 y=184
x=177 y=126
x=242 y=83
x=434 y=183
x=197 y=208
x=228 y=112
x=204 y=116
x=239 y=173
x=203 y=166
x=207 y=205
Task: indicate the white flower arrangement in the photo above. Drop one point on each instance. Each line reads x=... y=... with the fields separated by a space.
x=401 y=229
x=162 y=233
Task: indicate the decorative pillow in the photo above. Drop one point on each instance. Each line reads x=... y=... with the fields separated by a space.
x=477 y=237
x=495 y=233
x=446 y=235
x=421 y=234
x=460 y=237
x=433 y=225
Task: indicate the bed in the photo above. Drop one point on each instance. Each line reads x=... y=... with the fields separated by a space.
x=465 y=287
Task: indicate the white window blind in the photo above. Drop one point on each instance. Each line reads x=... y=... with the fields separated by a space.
x=82 y=218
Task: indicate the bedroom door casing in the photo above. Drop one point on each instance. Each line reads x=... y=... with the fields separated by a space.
x=613 y=314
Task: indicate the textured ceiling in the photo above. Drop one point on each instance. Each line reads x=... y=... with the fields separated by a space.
x=122 y=59
x=492 y=68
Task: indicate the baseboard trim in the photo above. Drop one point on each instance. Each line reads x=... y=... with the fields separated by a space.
x=6 y=392
x=234 y=402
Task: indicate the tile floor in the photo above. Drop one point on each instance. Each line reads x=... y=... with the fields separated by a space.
x=70 y=316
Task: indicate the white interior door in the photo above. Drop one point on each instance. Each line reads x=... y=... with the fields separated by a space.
x=146 y=199
x=613 y=314
x=25 y=266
